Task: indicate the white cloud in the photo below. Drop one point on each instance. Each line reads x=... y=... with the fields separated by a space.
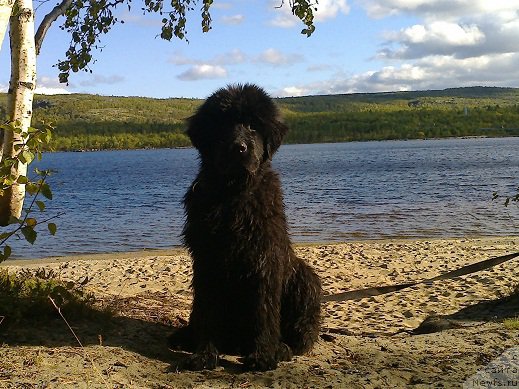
x=462 y=28
x=221 y=5
x=50 y=86
x=99 y=79
x=275 y=57
x=329 y=9
x=233 y=19
x=292 y=91
x=463 y=40
x=43 y=90
x=236 y=56
x=433 y=72
x=233 y=57
x=284 y=19
x=45 y=86
x=204 y=71
x=216 y=67
x=445 y=9
x=438 y=37
x=445 y=32
x=325 y=10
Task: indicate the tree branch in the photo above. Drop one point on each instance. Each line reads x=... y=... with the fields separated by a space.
x=48 y=20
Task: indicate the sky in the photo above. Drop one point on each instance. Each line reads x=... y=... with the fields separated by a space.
x=358 y=46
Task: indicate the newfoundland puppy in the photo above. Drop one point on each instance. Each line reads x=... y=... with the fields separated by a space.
x=252 y=296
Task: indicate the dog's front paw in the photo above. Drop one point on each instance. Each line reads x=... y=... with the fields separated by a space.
x=199 y=362
x=206 y=359
x=260 y=362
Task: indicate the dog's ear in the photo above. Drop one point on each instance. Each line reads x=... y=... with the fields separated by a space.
x=194 y=131
x=206 y=117
x=273 y=137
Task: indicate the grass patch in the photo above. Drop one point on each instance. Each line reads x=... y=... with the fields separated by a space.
x=512 y=323
x=26 y=297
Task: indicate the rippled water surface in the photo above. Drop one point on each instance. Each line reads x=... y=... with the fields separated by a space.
x=131 y=200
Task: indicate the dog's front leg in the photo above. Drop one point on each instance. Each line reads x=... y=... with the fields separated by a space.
x=268 y=349
x=202 y=335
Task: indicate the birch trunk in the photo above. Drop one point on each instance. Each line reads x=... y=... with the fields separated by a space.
x=6 y=7
x=19 y=99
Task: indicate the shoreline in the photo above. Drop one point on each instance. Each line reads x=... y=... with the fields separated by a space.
x=294 y=143
x=181 y=250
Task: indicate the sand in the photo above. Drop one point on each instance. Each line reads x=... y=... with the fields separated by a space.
x=364 y=343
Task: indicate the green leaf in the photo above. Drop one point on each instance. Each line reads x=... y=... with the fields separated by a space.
x=6 y=254
x=31 y=188
x=52 y=228
x=28 y=156
x=41 y=205
x=29 y=234
x=46 y=191
x=4 y=235
x=10 y=180
x=22 y=180
x=31 y=222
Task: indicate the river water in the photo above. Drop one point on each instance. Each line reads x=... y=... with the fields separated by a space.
x=131 y=200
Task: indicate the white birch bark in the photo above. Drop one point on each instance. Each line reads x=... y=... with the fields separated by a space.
x=6 y=7
x=20 y=96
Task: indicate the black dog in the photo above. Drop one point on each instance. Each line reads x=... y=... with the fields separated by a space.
x=252 y=296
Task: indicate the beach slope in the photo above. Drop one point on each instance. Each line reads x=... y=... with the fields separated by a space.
x=365 y=343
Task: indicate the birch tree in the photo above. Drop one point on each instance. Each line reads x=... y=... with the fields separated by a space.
x=19 y=102
x=5 y=12
x=86 y=21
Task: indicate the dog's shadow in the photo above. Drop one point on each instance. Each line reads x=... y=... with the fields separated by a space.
x=137 y=325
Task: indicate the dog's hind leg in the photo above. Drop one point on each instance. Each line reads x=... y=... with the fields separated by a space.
x=300 y=308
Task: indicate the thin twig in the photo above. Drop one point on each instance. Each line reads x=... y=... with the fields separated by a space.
x=52 y=217
x=65 y=320
x=79 y=342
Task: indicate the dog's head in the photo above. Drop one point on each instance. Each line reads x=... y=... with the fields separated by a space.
x=237 y=127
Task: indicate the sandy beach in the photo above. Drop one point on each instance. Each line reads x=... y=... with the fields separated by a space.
x=365 y=343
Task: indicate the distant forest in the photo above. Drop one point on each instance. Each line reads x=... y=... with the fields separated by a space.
x=91 y=122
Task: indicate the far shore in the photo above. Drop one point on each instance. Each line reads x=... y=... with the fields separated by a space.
x=86 y=150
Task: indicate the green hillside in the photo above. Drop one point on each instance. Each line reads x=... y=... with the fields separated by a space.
x=101 y=122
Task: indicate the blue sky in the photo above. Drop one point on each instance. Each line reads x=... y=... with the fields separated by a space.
x=358 y=46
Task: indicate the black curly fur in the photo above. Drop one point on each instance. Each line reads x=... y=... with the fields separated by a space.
x=252 y=296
